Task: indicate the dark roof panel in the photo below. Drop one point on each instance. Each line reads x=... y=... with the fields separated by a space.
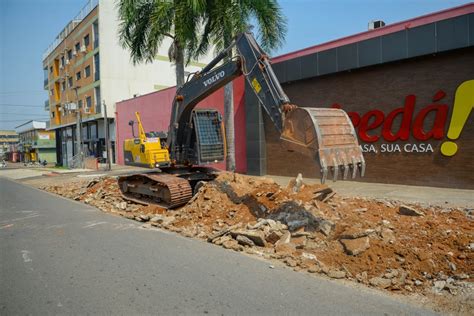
x=453 y=33
x=347 y=57
x=370 y=52
x=327 y=61
x=421 y=40
x=309 y=66
x=471 y=29
x=394 y=46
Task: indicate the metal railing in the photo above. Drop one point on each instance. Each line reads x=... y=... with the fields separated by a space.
x=90 y=5
x=76 y=161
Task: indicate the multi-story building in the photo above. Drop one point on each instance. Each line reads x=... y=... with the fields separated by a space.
x=8 y=140
x=86 y=69
x=36 y=143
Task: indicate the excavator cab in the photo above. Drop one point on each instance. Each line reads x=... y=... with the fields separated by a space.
x=209 y=144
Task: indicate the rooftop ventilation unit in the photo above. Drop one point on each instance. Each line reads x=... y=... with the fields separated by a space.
x=376 y=24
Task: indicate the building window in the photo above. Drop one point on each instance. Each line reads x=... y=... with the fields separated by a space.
x=77 y=47
x=87 y=71
x=95 y=27
x=79 y=104
x=51 y=69
x=78 y=75
x=62 y=61
x=51 y=92
x=86 y=40
x=63 y=85
x=97 y=100
x=96 y=67
x=69 y=54
x=69 y=82
x=88 y=102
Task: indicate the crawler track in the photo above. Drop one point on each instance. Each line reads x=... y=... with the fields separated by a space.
x=156 y=188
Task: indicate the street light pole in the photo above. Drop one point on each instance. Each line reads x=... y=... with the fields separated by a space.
x=107 y=136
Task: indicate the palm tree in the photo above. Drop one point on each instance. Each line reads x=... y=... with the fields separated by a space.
x=224 y=20
x=144 y=24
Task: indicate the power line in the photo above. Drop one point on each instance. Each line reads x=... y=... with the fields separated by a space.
x=22 y=105
x=24 y=114
x=10 y=121
x=25 y=91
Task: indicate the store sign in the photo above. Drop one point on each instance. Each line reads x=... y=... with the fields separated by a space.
x=43 y=136
x=413 y=123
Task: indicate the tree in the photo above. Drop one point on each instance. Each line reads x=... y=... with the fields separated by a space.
x=144 y=24
x=227 y=18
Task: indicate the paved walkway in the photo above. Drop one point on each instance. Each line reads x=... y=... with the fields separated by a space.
x=416 y=194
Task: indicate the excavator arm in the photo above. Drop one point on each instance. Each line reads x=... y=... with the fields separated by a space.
x=326 y=135
x=141 y=131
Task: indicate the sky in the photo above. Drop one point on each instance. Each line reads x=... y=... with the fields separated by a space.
x=27 y=27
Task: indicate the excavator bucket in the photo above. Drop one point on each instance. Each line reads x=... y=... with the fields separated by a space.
x=326 y=135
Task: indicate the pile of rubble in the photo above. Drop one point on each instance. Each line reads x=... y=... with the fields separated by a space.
x=380 y=243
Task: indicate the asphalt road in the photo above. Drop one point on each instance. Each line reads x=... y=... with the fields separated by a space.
x=62 y=257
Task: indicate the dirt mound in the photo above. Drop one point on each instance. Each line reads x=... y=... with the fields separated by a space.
x=381 y=243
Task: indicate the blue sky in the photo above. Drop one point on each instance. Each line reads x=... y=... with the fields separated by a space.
x=27 y=27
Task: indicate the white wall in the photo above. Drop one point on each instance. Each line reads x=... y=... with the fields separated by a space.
x=119 y=78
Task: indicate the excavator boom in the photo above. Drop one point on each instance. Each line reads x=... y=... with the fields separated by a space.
x=326 y=135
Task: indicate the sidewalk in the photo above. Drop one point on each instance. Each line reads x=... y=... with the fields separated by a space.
x=445 y=197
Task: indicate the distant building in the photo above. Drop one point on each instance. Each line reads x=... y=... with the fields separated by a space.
x=36 y=143
x=86 y=67
x=8 y=140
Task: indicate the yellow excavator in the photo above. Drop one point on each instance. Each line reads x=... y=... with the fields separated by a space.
x=147 y=150
x=196 y=137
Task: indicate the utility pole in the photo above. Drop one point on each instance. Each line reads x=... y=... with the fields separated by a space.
x=78 y=130
x=107 y=137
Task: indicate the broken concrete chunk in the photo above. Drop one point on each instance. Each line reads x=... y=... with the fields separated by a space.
x=354 y=233
x=273 y=237
x=144 y=217
x=357 y=246
x=223 y=232
x=244 y=241
x=231 y=244
x=258 y=237
x=328 y=197
x=387 y=235
x=380 y=282
x=409 y=211
x=336 y=274
x=284 y=239
x=326 y=226
x=309 y=256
